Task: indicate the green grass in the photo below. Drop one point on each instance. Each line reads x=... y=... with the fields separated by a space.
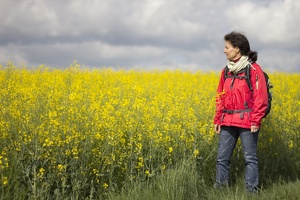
x=186 y=183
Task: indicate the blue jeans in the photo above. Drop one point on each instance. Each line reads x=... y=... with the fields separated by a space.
x=227 y=142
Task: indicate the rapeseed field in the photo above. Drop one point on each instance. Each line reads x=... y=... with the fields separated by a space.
x=79 y=132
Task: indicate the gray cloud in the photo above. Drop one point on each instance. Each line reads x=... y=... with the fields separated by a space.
x=274 y=31
x=164 y=34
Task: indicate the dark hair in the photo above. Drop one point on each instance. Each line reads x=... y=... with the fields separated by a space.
x=239 y=40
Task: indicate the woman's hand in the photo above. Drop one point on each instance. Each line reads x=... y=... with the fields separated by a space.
x=254 y=128
x=217 y=128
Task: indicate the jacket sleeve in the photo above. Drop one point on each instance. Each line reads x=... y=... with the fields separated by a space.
x=219 y=101
x=260 y=95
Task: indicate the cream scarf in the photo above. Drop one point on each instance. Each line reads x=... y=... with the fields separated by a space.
x=235 y=67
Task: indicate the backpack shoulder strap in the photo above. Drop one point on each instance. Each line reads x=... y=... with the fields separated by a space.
x=247 y=76
x=226 y=70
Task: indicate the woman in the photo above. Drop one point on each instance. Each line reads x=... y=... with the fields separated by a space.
x=239 y=109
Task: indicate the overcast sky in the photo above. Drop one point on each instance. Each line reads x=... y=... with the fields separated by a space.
x=147 y=34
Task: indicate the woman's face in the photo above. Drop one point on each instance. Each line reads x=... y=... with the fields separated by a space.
x=232 y=53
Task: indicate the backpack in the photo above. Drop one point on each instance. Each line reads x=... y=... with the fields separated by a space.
x=246 y=71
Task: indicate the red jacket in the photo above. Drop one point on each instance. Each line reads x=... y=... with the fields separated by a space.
x=240 y=97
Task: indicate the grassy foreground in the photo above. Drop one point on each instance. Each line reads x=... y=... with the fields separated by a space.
x=184 y=182
x=103 y=134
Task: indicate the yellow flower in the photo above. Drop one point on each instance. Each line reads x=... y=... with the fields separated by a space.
x=61 y=167
x=105 y=185
x=4 y=180
x=41 y=173
x=42 y=170
x=124 y=119
x=147 y=172
x=48 y=142
x=196 y=152
x=140 y=162
x=170 y=149
x=95 y=171
x=291 y=144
